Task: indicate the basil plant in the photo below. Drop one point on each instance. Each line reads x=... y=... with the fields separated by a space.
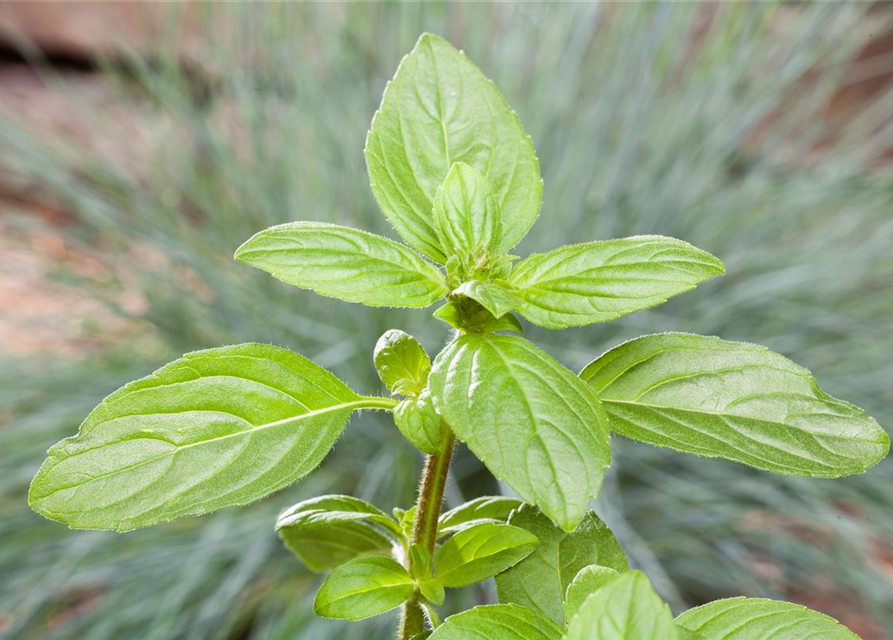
x=457 y=177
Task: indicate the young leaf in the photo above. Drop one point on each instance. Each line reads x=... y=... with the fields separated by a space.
x=540 y=581
x=732 y=400
x=484 y=509
x=466 y=216
x=626 y=608
x=530 y=420
x=328 y=531
x=401 y=362
x=438 y=110
x=324 y=548
x=498 y=622
x=587 y=581
x=363 y=588
x=480 y=552
x=419 y=422
x=579 y=284
x=469 y=316
x=217 y=428
x=758 y=619
x=494 y=296
x=344 y=263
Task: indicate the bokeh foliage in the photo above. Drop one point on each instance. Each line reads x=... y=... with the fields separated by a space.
x=707 y=123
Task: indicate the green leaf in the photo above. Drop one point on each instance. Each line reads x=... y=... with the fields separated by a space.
x=484 y=509
x=466 y=217
x=627 y=608
x=324 y=548
x=217 y=428
x=687 y=634
x=579 y=284
x=495 y=297
x=363 y=588
x=541 y=580
x=422 y=636
x=531 y=421
x=438 y=110
x=480 y=552
x=759 y=619
x=419 y=422
x=402 y=363
x=469 y=316
x=732 y=400
x=345 y=263
x=587 y=581
x=328 y=531
x=498 y=622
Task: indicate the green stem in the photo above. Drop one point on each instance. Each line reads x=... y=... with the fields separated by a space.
x=424 y=530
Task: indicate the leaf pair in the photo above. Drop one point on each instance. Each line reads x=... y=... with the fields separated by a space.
x=324 y=532
x=626 y=607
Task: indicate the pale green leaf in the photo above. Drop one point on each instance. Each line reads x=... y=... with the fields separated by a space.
x=541 y=580
x=438 y=110
x=469 y=316
x=324 y=548
x=484 y=509
x=760 y=619
x=687 y=634
x=327 y=531
x=494 y=296
x=579 y=284
x=363 y=588
x=587 y=581
x=531 y=421
x=345 y=263
x=732 y=400
x=419 y=422
x=480 y=552
x=627 y=608
x=217 y=428
x=498 y=622
x=401 y=362
x=466 y=217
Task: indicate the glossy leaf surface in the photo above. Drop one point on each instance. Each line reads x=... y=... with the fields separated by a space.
x=498 y=622
x=486 y=508
x=480 y=552
x=363 y=588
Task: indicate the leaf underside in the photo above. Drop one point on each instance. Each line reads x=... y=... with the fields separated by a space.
x=732 y=400
x=217 y=428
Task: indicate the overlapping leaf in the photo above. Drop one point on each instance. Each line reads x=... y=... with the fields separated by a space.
x=345 y=263
x=484 y=509
x=466 y=216
x=327 y=531
x=530 y=420
x=480 y=552
x=626 y=608
x=732 y=400
x=363 y=588
x=419 y=422
x=498 y=622
x=216 y=428
x=759 y=619
x=579 y=284
x=439 y=110
x=541 y=580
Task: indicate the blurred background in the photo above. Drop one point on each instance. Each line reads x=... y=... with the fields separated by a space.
x=140 y=144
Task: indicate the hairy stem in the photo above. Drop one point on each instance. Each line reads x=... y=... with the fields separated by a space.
x=424 y=530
